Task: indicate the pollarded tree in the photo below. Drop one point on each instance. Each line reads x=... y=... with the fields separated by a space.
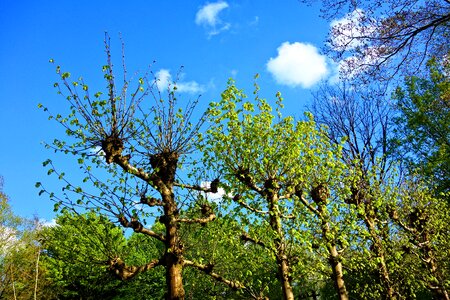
x=131 y=151
x=362 y=117
x=277 y=170
x=423 y=222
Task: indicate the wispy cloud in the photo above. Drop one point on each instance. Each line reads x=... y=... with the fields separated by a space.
x=164 y=80
x=298 y=64
x=208 y=16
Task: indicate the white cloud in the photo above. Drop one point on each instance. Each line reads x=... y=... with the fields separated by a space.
x=255 y=21
x=208 y=16
x=214 y=197
x=298 y=64
x=346 y=33
x=164 y=80
x=45 y=223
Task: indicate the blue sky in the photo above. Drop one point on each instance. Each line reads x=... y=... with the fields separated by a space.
x=213 y=40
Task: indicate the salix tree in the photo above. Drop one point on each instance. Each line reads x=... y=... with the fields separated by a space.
x=131 y=149
x=286 y=173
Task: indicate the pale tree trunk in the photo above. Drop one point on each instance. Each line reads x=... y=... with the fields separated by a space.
x=166 y=164
x=37 y=273
x=280 y=244
x=174 y=262
x=334 y=259
x=12 y=282
x=283 y=269
x=379 y=253
x=320 y=195
x=337 y=273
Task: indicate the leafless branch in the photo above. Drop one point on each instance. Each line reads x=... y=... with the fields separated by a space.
x=208 y=269
x=138 y=227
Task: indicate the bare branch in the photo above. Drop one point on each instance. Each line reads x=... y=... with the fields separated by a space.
x=208 y=219
x=124 y=272
x=138 y=227
x=208 y=269
x=237 y=199
x=309 y=206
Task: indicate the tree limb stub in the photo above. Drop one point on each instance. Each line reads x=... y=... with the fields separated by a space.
x=213 y=188
x=151 y=201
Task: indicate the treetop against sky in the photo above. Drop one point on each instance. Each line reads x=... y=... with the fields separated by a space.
x=212 y=40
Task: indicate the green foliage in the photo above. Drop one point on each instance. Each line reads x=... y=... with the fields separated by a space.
x=148 y=285
x=423 y=124
x=219 y=244
x=77 y=249
x=22 y=276
x=271 y=166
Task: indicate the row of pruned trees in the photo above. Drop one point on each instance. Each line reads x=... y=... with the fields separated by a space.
x=350 y=203
x=295 y=192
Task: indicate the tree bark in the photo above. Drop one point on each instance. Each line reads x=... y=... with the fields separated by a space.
x=379 y=253
x=320 y=195
x=334 y=260
x=165 y=165
x=280 y=246
x=337 y=273
x=174 y=250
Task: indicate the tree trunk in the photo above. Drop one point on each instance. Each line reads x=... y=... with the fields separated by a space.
x=379 y=253
x=283 y=270
x=37 y=273
x=280 y=245
x=174 y=279
x=320 y=196
x=165 y=165
x=174 y=254
x=429 y=260
x=337 y=273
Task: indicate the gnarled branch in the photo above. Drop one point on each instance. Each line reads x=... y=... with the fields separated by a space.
x=151 y=201
x=205 y=220
x=124 y=272
x=213 y=187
